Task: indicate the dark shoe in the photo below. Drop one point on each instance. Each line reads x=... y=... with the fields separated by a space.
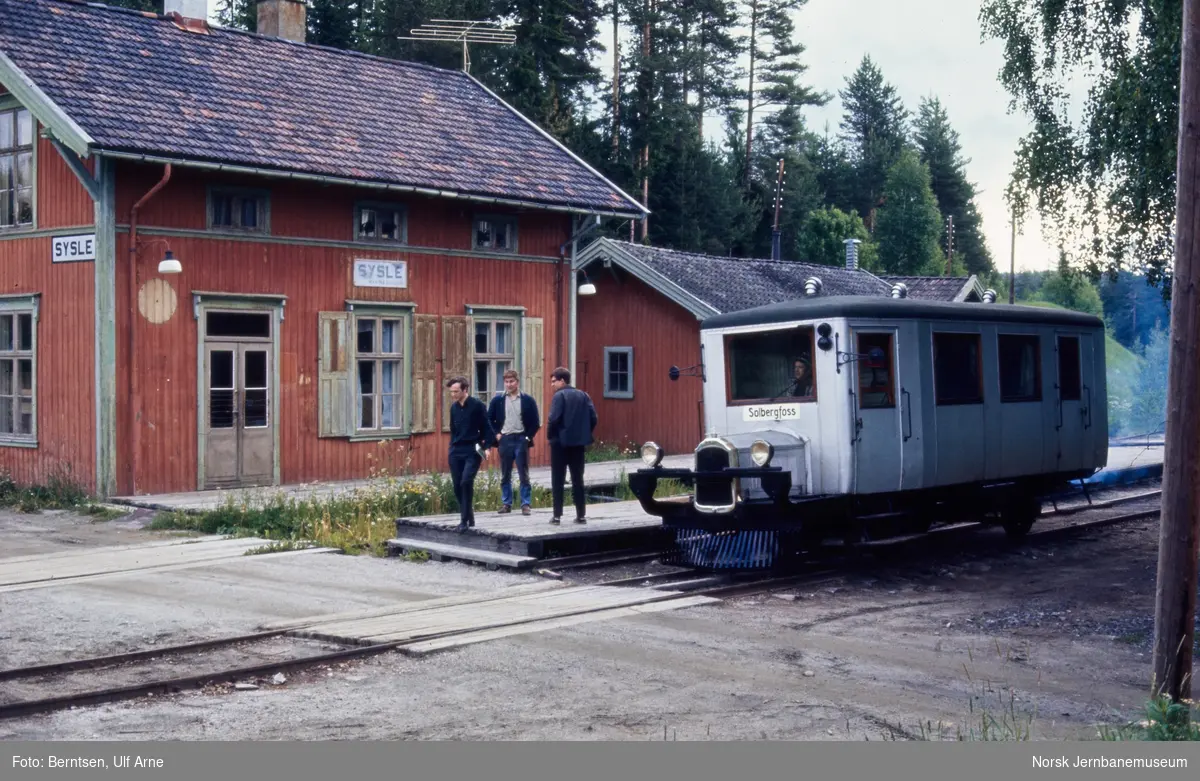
x=526 y=510
x=581 y=519
x=556 y=521
x=506 y=509
x=471 y=523
x=462 y=526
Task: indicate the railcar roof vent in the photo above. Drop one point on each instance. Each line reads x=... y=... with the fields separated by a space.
x=989 y=296
x=812 y=286
x=899 y=290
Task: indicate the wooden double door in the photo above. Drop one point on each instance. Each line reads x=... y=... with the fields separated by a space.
x=239 y=419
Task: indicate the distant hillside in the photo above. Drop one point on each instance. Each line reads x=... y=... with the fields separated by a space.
x=1123 y=368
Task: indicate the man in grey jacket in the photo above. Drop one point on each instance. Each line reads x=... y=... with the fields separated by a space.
x=569 y=428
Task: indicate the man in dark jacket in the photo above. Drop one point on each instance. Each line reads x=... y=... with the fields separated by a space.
x=514 y=417
x=470 y=437
x=569 y=428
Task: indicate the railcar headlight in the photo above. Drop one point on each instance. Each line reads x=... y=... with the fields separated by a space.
x=761 y=452
x=652 y=454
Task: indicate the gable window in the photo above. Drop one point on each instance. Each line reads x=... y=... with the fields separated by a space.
x=958 y=368
x=495 y=233
x=1020 y=360
x=238 y=209
x=380 y=222
x=380 y=372
x=618 y=372
x=773 y=366
x=18 y=370
x=495 y=353
x=16 y=168
x=1069 y=380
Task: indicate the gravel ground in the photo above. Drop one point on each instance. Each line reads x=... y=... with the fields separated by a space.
x=1040 y=634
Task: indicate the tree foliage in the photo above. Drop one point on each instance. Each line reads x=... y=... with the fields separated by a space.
x=909 y=223
x=1105 y=180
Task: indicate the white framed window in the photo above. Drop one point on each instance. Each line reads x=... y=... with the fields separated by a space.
x=381 y=222
x=16 y=167
x=18 y=369
x=380 y=355
x=495 y=353
x=618 y=372
x=494 y=232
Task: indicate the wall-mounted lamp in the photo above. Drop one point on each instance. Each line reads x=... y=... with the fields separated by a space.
x=587 y=288
x=169 y=265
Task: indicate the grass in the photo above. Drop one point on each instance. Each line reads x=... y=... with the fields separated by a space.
x=60 y=492
x=359 y=521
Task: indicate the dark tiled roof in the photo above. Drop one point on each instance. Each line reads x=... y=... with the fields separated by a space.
x=931 y=288
x=137 y=82
x=733 y=284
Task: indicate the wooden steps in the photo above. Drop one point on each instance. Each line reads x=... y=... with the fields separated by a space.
x=441 y=551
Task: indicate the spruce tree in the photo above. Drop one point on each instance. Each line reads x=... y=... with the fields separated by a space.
x=873 y=126
x=908 y=224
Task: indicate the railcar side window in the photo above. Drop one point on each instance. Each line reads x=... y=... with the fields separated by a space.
x=1069 y=383
x=1020 y=367
x=957 y=368
x=774 y=366
x=875 y=389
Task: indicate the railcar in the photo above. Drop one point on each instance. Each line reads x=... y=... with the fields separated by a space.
x=857 y=419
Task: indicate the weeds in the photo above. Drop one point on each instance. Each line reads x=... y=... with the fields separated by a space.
x=1165 y=720
x=60 y=492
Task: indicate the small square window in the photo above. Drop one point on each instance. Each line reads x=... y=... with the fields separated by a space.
x=238 y=210
x=495 y=233
x=380 y=222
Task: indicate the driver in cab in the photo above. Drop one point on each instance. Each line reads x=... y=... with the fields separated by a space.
x=801 y=378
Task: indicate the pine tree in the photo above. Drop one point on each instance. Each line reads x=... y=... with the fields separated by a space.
x=334 y=23
x=939 y=148
x=874 y=128
x=908 y=225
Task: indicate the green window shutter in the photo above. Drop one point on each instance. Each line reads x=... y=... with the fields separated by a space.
x=533 y=369
x=335 y=388
x=458 y=349
x=424 y=374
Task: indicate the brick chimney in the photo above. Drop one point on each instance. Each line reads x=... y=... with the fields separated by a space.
x=189 y=9
x=283 y=19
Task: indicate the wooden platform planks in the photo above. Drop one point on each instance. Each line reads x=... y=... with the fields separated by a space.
x=490 y=614
x=39 y=571
x=440 y=644
x=609 y=526
x=440 y=551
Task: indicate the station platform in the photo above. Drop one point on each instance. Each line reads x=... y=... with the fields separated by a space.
x=518 y=541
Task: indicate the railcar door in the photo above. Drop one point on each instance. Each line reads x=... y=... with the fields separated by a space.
x=878 y=433
x=1073 y=387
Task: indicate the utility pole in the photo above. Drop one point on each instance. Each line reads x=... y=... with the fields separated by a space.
x=1179 y=530
x=950 y=245
x=1012 y=262
x=778 y=203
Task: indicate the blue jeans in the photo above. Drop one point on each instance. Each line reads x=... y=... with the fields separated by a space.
x=513 y=447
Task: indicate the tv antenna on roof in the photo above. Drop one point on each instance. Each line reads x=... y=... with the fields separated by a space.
x=455 y=30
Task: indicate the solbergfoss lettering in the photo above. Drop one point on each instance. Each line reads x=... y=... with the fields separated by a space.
x=1109 y=762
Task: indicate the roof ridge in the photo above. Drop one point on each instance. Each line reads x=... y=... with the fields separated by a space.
x=737 y=260
x=249 y=33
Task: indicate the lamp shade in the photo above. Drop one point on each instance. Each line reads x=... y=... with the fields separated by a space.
x=587 y=289
x=169 y=265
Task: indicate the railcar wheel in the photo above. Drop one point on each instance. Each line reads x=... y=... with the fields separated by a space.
x=1018 y=518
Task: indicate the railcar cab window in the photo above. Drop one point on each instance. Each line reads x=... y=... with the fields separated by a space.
x=1020 y=377
x=875 y=382
x=958 y=368
x=773 y=366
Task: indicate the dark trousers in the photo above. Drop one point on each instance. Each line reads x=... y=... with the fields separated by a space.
x=464 y=465
x=562 y=459
x=514 y=449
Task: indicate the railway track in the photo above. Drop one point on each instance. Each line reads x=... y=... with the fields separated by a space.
x=673 y=584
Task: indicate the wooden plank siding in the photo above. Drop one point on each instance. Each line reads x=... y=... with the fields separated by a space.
x=62 y=201
x=64 y=361
x=625 y=312
x=314 y=278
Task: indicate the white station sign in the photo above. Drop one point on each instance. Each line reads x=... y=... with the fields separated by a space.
x=761 y=413
x=380 y=273
x=67 y=249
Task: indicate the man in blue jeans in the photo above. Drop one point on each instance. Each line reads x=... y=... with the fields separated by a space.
x=514 y=415
x=470 y=437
